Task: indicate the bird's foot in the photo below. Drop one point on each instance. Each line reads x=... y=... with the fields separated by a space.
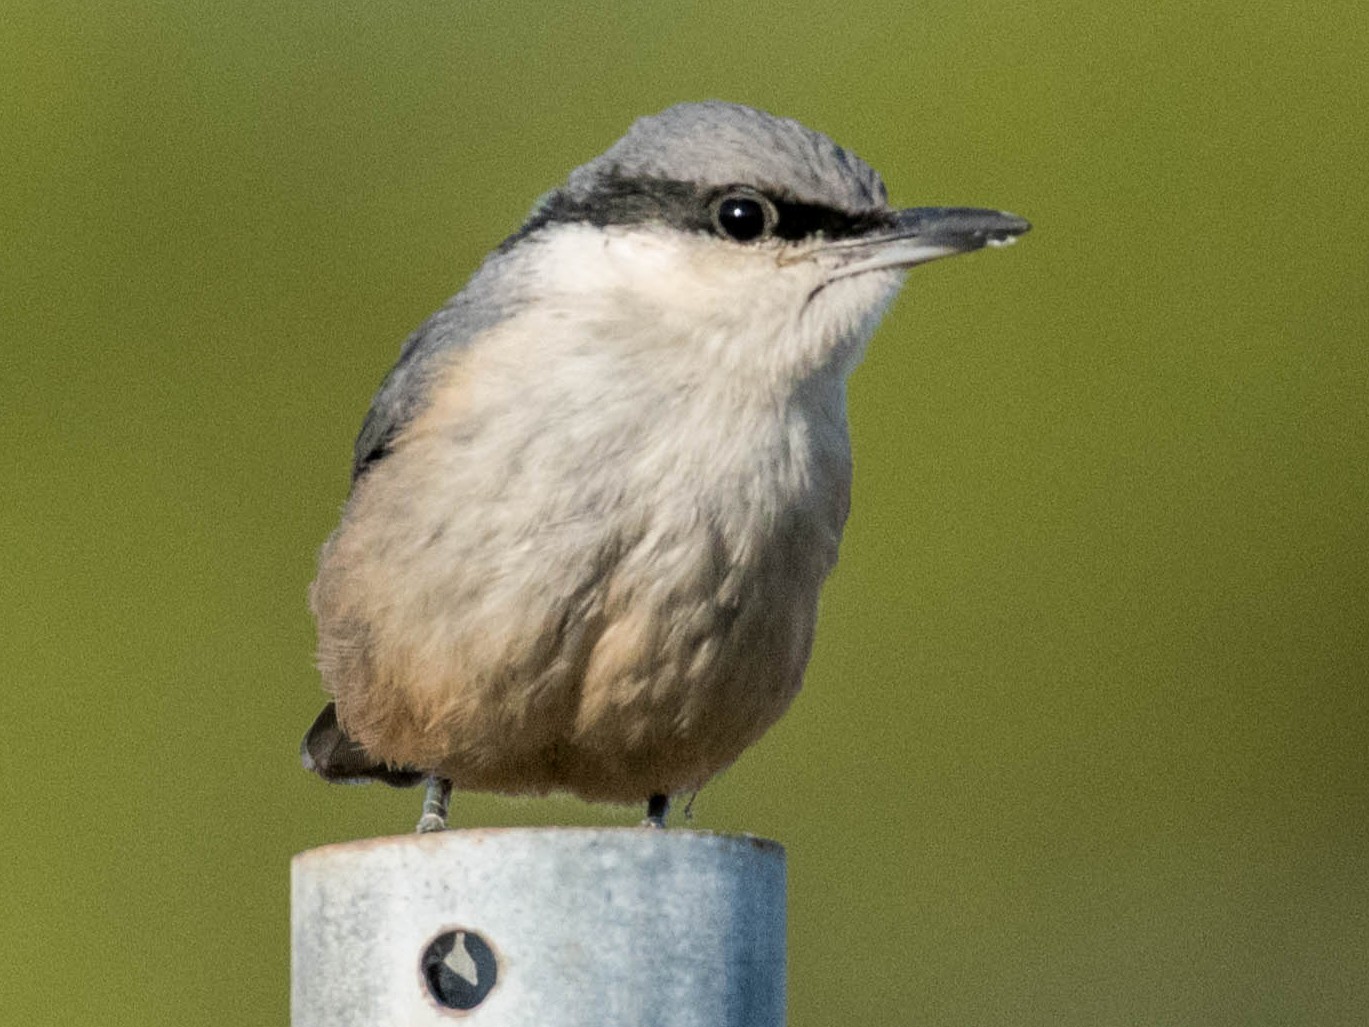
x=656 y=808
x=435 y=804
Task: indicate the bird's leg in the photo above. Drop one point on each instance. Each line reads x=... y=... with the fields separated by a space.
x=435 y=805
x=656 y=808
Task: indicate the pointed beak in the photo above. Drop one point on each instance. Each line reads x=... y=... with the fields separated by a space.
x=920 y=234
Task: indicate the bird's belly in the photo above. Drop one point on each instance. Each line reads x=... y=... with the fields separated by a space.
x=661 y=681
x=561 y=626
x=611 y=672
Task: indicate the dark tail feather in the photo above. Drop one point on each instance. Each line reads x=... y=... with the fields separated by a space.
x=329 y=753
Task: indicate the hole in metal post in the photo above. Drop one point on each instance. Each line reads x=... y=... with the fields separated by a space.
x=459 y=968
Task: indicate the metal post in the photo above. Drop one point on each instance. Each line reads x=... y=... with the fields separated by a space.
x=629 y=927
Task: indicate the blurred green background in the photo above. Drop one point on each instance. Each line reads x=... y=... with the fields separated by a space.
x=1084 y=737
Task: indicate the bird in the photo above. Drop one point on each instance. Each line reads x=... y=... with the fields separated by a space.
x=594 y=502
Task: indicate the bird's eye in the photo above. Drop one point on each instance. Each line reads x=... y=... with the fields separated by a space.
x=744 y=217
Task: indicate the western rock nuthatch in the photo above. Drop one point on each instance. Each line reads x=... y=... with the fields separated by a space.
x=594 y=502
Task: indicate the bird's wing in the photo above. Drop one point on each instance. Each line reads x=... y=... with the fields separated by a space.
x=405 y=390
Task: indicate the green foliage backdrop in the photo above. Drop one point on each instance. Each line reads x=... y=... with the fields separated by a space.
x=1083 y=741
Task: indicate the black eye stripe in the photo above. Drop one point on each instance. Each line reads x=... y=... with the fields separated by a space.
x=805 y=220
x=618 y=200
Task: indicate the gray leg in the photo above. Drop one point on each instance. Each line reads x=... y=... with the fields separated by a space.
x=656 y=808
x=435 y=806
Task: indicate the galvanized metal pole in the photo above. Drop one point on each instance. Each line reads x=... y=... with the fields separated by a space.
x=548 y=927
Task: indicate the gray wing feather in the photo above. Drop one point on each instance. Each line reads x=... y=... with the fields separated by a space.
x=404 y=392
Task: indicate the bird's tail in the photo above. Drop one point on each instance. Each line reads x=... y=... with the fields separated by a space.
x=329 y=753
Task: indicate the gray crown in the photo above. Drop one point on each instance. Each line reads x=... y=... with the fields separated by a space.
x=718 y=144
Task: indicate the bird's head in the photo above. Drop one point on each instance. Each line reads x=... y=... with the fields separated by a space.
x=725 y=237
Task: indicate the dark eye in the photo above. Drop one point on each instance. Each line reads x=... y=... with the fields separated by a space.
x=744 y=217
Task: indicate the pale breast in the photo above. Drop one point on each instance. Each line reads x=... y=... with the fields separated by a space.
x=617 y=615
